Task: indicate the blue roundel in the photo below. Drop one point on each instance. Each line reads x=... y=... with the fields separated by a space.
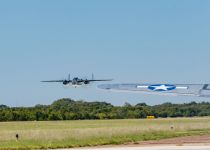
x=162 y=87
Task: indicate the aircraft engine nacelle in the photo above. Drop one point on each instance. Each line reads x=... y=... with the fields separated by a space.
x=65 y=82
x=86 y=82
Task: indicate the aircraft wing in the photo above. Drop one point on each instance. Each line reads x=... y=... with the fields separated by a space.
x=54 y=81
x=201 y=90
x=92 y=80
x=100 y=80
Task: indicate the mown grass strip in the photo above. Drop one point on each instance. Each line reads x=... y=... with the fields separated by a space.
x=67 y=134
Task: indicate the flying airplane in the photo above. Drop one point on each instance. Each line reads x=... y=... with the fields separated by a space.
x=201 y=90
x=77 y=81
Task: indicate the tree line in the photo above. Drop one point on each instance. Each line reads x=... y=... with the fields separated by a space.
x=68 y=109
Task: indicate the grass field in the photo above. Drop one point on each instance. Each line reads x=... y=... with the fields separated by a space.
x=63 y=134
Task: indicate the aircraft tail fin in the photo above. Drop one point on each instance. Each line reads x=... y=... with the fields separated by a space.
x=92 y=76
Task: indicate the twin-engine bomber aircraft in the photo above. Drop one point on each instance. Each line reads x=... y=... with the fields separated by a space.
x=201 y=90
x=77 y=81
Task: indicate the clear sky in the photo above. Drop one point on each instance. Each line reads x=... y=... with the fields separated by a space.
x=140 y=41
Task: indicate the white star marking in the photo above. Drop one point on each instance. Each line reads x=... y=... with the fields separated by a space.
x=161 y=87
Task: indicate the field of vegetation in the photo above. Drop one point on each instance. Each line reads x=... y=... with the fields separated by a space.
x=63 y=134
x=68 y=109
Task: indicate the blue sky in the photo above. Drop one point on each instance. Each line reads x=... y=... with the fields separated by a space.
x=130 y=41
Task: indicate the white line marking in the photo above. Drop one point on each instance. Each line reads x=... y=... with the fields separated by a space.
x=142 y=86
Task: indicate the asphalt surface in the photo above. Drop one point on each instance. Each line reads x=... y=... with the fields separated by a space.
x=207 y=147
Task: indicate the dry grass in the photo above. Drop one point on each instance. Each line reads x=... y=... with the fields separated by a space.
x=55 y=134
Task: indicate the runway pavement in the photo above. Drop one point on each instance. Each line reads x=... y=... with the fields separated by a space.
x=207 y=147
